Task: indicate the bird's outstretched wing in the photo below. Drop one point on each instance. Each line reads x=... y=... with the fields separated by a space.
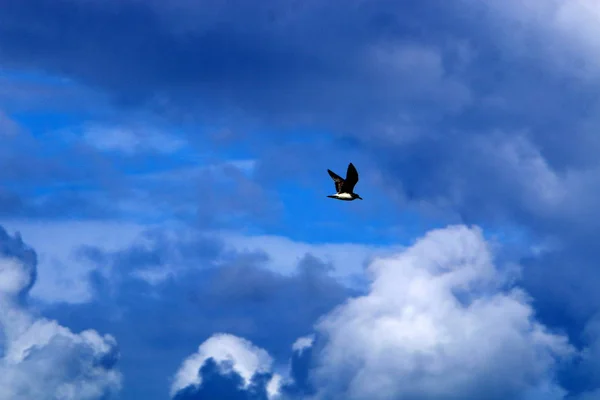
x=339 y=182
x=351 y=179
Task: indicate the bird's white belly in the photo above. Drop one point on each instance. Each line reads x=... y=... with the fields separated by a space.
x=343 y=196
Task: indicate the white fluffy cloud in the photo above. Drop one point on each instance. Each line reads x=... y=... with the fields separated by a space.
x=245 y=358
x=41 y=359
x=436 y=324
x=439 y=322
x=303 y=343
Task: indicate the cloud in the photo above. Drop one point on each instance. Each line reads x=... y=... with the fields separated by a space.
x=131 y=141
x=303 y=343
x=157 y=252
x=563 y=33
x=39 y=357
x=347 y=260
x=227 y=60
x=487 y=117
x=195 y=284
x=437 y=323
x=440 y=321
x=298 y=382
x=231 y=355
x=64 y=275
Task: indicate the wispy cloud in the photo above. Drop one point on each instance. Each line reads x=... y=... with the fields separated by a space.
x=132 y=141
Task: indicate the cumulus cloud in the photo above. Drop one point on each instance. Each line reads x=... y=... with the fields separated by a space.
x=41 y=359
x=230 y=355
x=436 y=324
x=440 y=321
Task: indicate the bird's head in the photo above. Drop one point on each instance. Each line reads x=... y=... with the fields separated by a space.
x=355 y=196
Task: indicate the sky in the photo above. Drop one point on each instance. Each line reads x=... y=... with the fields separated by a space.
x=164 y=226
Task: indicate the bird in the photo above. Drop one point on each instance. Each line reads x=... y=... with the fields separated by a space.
x=344 y=187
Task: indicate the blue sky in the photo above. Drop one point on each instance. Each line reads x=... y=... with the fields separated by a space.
x=165 y=231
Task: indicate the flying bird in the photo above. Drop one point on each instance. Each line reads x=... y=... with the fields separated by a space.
x=344 y=187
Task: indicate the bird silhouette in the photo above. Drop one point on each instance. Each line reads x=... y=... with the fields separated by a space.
x=345 y=187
